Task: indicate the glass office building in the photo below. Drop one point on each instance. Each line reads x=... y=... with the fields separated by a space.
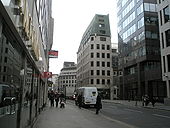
x=139 y=49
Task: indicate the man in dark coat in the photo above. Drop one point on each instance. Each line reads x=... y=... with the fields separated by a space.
x=98 y=104
x=79 y=100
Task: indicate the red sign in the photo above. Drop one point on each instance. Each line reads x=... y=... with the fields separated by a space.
x=53 y=54
x=47 y=75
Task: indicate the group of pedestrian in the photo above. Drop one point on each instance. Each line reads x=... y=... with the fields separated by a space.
x=55 y=96
x=146 y=100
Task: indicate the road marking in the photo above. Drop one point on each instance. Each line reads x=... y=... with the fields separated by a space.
x=117 y=121
x=133 y=110
x=161 y=116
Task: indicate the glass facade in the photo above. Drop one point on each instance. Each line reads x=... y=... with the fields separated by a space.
x=138 y=42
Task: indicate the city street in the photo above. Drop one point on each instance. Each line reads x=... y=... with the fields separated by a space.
x=112 y=115
x=137 y=116
x=73 y=117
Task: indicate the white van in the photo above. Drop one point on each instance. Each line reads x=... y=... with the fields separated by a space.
x=89 y=95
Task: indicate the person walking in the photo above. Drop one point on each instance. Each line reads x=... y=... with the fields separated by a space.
x=56 y=99
x=51 y=97
x=79 y=100
x=98 y=104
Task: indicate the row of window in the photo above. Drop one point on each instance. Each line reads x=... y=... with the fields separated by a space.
x=98 y=55
x=100 y=72
x=101 y=46
x=68 y=81
x=69 y=85
x=103 y=64
x=68 y=77
x=100 y=81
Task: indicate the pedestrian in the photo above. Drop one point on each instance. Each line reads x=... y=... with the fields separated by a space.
x=79 y=100
x=56 y=99
x=51 y=97
x=98 y=104
x=146 y=100
x=143 y=100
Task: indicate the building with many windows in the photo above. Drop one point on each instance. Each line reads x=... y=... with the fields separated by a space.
x=67 y=79
x=94 y=67
x=26 y=36
x=139 y=49
x=164 y=28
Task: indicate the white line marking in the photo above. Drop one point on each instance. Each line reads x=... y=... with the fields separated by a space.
x=161 y=116
x=133 y=110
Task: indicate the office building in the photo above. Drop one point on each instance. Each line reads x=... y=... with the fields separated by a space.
x=164 y=28
x=94 y=67
x=67 y=79
x=139 y=49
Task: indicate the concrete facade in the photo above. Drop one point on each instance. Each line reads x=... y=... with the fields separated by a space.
x=94 y=67
x=164 y=27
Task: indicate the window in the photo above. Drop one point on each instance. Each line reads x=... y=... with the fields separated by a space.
x=101 y=25
x=92 y=38
x=98 y=63
x=108 y=73
x=102 y=32
x=140 y=9
x=6 y=50
x=160 y=16
x=92 y=64
x=92 y=55
x=108 y=64
x=150 y=7
x=98 y=72
x=108 y=47
x=162 y=36
x=98 y=81
x=141 y=23
x=166 y=14
x=101 y=20
x=92 y=46
x=103 y=72
x=167 y=34
x=114 y=73
x=5 y=59
x=98 y=55
x=97 y=46
x=164 y=67
x=108 y=81
x=168 y=60
x=108 y=55
x=92 y=72
x=5 y=69
x=103 y=55
x=103 y=81
x=102 y=38
x=91 y=81
x=103 y=64
x=103 y=47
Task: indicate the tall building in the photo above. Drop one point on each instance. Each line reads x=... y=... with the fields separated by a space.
x=26 y=35
x=139 y=49
x=94 y=67
x=164 y=27
x=114 y=89
x=67 y=79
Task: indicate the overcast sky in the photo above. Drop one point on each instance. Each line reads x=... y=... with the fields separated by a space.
x=71 y=18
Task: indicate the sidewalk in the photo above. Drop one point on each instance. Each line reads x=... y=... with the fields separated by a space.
x=139 y=104
x=73 y=117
